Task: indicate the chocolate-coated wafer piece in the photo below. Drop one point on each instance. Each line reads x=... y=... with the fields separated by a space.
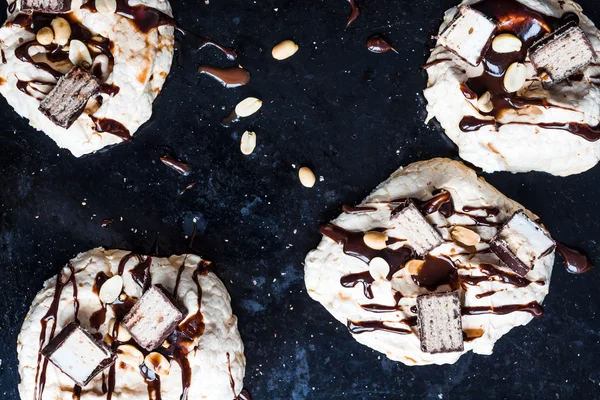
x=413 y=226
x=78 y=355
x=440 y=324
x=44 y=6
x=65 y=103
x=520 y=242
x=562 y=54
x=152 y=319
x=469 y=35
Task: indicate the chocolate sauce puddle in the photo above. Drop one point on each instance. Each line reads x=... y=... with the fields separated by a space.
x=179 y=166
x=575 y=261
x=228 y=77
x=378 y=44
x=436 y=272
x=107 y=125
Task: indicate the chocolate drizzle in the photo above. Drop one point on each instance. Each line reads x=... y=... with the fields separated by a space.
x=435 y=62
x=380 y=308
x=141 y=273
x=152 y=382
x=51 y=315
x=31 y=88
x=2 y=56
x=229 y=77
x=533 y=308
x=357 y=210
x=378 y=44
x=110 y=89
x=364 y=278
x=179 y=166
x=146 y=19
x=107 y=125
x=490 y=272
x=354 y=12
x=529 y=26
x=436 y=272
x=372 y=326
x=575 y=261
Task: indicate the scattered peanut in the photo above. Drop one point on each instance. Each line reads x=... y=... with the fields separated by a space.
x=376 y=240
x=62 y=31
x=79 y=54
x=248 y=143
x=45 y=36
x=284 y=50
x=307 y=177
x=414 y=266
x=465 y=236
x=157 y=363
x=111 y=289
x=379 y=269
x=515 y=77
x=506 y=43
x=122 y=334
x=106 y=7
x=130 y=355
x=247 y=107
x=484 y=103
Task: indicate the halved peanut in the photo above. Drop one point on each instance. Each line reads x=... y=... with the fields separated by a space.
x=284 y=50
x=157 y=363
x=515 y=77
x=45 y=36
x=247 y=107
x=106 y=7
x=79 y=54
x=414 y=266
x=111 y=289
x=307 y=177
x=130 y=355
x=122 y=334
x=506 y=43
x=62 y=31
x=376 y=240
x=379 y=269
x=484 y=103
x=465 y=236
x=248 y=143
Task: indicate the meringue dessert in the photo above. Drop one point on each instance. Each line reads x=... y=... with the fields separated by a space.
x=115 y=324
x=121 y=54
x=515 y=85
x=431 y=265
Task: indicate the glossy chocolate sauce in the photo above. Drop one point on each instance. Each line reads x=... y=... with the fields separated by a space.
x=188 y=187
x=485 y=294
x=228 y=77
x=54 y=53
x=3 y=57
x=435 y=62
x=575 y=261
x=179 y=166
x=357 y=210
x=31 y=88
x=529 y=26
x=146 y=19
x=110 y=89
x=489 y=211
x=533 y=308
x=51 y=315
x=364 y=278
x=490 y=272
x=231 y=119
x=354 y=12
x=107 y=125
x=12 y=7
x=152 y=382
x=436 y=272
x=378 y=44
x=441 y=201
x=372 y=326
x=141 y=273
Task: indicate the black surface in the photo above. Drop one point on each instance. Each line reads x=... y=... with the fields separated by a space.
x=354 y=117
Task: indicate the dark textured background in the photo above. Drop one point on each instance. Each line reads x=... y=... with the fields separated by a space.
x=354 y=117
